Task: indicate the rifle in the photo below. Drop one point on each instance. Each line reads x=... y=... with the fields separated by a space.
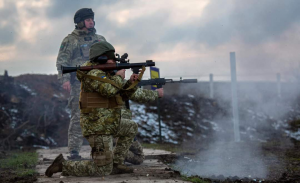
x=162 y=81
x=121 y=63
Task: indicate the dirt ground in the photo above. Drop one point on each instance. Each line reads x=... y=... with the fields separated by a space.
x=152 y=170
x=9 y=175
x=280 y=162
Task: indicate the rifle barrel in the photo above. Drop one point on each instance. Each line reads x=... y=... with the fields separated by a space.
x=163 y=81
x=182 y=81
x=189 y=81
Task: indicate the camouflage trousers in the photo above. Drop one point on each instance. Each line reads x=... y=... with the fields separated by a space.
x=135 y=154
x=75 y=138
x=126 y=132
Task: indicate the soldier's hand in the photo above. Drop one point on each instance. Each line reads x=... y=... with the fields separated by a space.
x=67 y=86
x=121 y=73
x=160 y=92
x=134 y=77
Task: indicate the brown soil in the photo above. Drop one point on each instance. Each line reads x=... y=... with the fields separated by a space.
x=10 y=176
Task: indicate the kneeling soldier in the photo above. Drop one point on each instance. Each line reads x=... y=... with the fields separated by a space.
x=104 y=116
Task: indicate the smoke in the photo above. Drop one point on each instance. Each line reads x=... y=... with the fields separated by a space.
x=227 y=159
x=264 y=112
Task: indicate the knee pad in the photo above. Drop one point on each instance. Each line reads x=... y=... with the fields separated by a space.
x=102 y=153
x=102 y=158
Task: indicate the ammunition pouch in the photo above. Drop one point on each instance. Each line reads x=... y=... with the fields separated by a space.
x=90 y=101
x=101 y=155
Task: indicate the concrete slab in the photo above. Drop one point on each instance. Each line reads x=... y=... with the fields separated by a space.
x=152 y=170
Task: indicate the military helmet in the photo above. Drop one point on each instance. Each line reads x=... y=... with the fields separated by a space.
x=102 y=48
x=83 y=14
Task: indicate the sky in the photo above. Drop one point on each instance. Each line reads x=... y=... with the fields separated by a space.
x=188 y=39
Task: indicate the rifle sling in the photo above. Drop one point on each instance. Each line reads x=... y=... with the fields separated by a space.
x=80 y=73
x=138 y=80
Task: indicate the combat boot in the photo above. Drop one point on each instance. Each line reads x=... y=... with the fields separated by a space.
x=56 y=166
x=74 y=155
x=121 y=168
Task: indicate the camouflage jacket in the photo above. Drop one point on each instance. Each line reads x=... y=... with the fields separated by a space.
x=74 y=50
x=103 y=120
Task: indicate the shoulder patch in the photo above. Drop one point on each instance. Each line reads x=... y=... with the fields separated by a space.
x=62 y=46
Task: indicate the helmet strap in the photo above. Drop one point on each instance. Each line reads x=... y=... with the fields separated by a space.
x=80 y=25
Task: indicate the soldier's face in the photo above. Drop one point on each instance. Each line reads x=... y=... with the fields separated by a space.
x=89 y=23
x=110 y=61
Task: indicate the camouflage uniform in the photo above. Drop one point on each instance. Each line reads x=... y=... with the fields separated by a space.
x=74 y=50
x=106 y=123
x=135 y=154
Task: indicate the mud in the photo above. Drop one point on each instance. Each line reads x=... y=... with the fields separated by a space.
x=9 y=176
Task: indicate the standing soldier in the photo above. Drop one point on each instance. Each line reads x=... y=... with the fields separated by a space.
x=104 y=116
x=74 y=50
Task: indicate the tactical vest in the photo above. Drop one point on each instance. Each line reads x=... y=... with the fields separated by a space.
x=84 y=44
x=91 y=100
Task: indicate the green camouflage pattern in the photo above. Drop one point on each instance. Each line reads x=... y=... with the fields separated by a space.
x=72 y=48
x=85 y=168
x=125 y=132
x=135 y=154
x=71 y=54
x=88 y=167
x=75 y=138
x=100 y=121
x=144 y=96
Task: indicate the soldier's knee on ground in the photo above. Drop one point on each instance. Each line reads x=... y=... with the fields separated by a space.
x=136 y=147
x=135 y=159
